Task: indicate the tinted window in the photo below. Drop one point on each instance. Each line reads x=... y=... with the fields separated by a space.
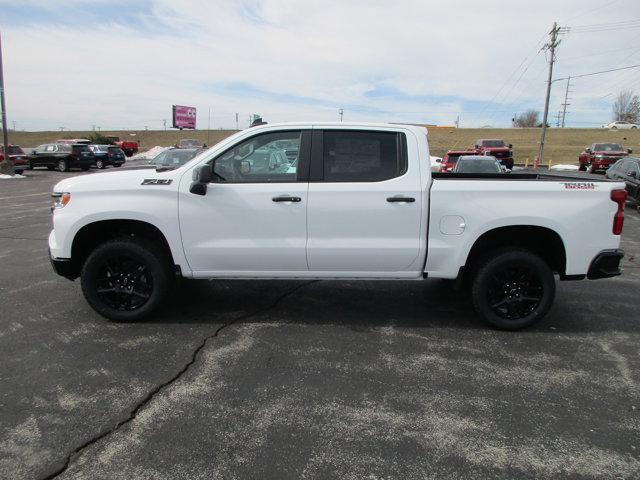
x=469 y=165
x=363 y=156
x=493 y=143
x=260 y=159
x=80 y=148
x=13 y=150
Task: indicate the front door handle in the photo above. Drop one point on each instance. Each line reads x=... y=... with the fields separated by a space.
x=401 y=199
x=286 y=198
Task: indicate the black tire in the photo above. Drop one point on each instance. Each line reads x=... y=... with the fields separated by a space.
x=62 y=165
x=582 y=167
x=117 y=165
x=614 y=128
x=513 y=289
x=126 y=279
x=30 y=165
x=85 y=169
x=100 y=164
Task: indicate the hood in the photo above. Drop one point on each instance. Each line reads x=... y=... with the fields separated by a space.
x=114 y=180
x=609 y=153
x=496 y=149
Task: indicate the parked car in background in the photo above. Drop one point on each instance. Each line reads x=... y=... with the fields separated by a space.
x=105 y=155
x=436 y=163
x=62 y=157
x=627 y=170
x=478 y=164
x=129 y=147
x=495 y=148
x=174 y=157
x=600 y=156
x=17 y=156
x=620 y=125
x=451 y=158
x=73 y=141
x=189 y=143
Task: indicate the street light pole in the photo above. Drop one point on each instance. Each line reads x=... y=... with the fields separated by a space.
x=6 y=167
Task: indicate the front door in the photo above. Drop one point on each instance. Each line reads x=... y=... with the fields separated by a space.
x=365 y=203
x=253 y=219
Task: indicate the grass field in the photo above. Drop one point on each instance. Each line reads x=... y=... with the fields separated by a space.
x=562 y=146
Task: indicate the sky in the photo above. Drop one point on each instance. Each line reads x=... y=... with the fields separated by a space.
x=122 y=64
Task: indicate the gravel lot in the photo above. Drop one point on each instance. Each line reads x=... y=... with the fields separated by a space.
x=308 y=379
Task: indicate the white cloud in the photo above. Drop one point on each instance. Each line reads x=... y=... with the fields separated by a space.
x=288 y=60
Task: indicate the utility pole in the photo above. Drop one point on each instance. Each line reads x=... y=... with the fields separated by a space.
x=6 y=166
x=341 y=112
x=237 y=122
x=458 y=121
x=164 y=124
x=61 y=129
x=208 y=125
x=551 y=48
x=558 y=116
x=566 y=99
x=14 y=125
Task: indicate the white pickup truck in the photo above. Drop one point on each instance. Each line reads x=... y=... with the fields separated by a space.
x=333 y=201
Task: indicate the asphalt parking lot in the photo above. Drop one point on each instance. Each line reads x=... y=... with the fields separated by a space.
x=308 y=379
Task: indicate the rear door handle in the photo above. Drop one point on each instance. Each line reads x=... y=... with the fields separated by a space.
x=401 y=199
x=286 y=198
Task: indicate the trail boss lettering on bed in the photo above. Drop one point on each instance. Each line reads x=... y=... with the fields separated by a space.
x=580 y=186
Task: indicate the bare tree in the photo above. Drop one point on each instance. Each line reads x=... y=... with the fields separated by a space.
x=527 y=119
x=626 y=107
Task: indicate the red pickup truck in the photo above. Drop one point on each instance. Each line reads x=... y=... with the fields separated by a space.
x=129 y=147
x=600 y=156
x=495 y=148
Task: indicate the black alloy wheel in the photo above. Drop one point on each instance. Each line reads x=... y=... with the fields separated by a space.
x=126 y=279
x=513 y=288
x=123 y=283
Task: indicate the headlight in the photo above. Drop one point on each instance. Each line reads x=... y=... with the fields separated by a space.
x=60 y=199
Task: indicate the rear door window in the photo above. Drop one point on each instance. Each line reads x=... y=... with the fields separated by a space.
x=362 y=156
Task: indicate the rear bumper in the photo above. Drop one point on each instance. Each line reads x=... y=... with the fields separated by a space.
x=606 y=264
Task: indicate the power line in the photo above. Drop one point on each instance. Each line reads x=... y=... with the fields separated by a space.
x=592 y=10
x=597 y=73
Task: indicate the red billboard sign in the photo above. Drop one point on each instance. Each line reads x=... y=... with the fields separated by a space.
x=184 y=117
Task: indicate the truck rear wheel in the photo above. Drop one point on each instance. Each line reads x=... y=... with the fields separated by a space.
x=513 y=289
x=125 y=279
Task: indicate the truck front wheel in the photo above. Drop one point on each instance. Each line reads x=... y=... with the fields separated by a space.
x=513 y=289
x=125 y=279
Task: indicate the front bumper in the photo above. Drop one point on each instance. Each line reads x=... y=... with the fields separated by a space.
x=63 y=267
x=606 y=264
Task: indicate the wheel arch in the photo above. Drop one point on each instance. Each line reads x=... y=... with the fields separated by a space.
x=96 y=233
x=542 y=241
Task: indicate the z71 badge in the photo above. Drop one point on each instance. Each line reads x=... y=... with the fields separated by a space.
x=156 y=181
x=579 y=186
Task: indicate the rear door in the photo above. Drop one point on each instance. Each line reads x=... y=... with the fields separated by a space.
x=365 y=203
x=632 y=177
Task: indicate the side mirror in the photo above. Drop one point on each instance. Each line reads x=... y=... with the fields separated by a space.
x=629 y=150
x=587 y=149
x=201 y=177
x=33 y=152
x=633 y=174
x=511 y=145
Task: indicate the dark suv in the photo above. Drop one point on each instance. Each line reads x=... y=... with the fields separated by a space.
x=104 y=155
x=56 y=156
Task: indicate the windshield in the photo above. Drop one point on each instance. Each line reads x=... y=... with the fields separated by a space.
x=607 y=147
x=492 y=143
x=173 y=158
x=189 y=143
x=477 y=166
x=99 y=148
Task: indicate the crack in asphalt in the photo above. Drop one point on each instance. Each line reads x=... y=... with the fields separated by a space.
x=76 y=452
